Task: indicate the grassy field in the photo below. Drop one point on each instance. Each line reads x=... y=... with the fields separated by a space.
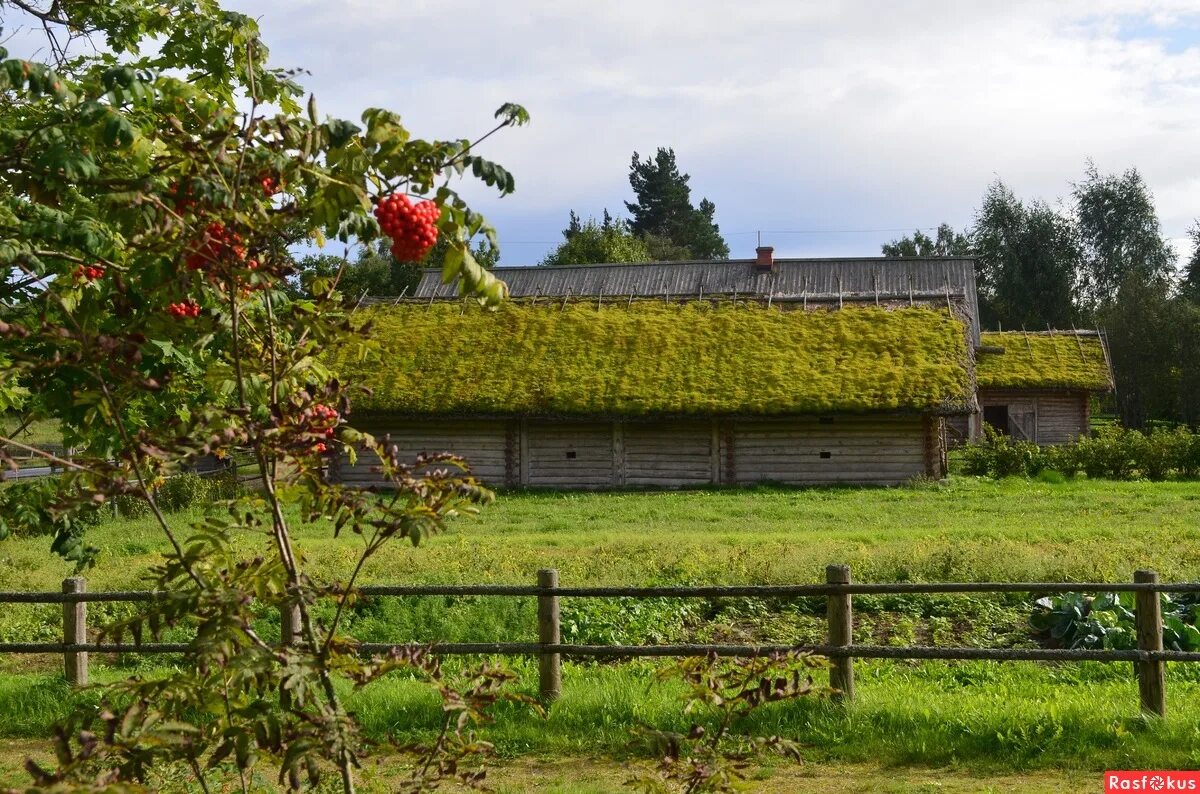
x=967 y=530
x=990 y=718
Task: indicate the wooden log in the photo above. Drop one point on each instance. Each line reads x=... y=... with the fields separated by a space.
x=523 y=457
x=549 y=664
x=75 y=632
x=841 y=633
x=714 y=451
x=1151 y=675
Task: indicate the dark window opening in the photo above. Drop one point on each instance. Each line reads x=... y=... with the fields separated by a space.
x=570 y=454
x=826 y=454
x=997 y=417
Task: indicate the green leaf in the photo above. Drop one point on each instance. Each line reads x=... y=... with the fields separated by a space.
x=512 y=114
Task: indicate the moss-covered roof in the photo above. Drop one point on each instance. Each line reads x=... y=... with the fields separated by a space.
x=1044 y=360
x=651 y=358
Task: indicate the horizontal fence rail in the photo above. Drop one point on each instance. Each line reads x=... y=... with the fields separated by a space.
x=1149 y=657
x=701 y=591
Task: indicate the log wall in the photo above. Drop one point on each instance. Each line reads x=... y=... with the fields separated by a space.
x=1061 y=416
x=484 y=444
x=833 y=449
x=573 y=455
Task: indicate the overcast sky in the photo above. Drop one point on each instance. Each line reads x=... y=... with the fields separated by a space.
x=790 y=116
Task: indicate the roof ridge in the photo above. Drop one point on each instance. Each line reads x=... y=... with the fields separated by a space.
x=686 y=262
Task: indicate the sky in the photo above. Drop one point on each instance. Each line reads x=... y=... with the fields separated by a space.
x=830 y=127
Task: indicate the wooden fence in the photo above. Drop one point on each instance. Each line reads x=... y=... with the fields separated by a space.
x=1149 y=658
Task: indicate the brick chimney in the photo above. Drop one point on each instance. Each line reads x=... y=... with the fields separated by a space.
x=766 y=258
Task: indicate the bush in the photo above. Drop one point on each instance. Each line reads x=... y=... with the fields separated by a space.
x=1063 y=458
x=131 y=506
x=1155 y=454
x=976 y=459
x=1185 y=453
x=1112 y=453
x=183 y=491
x=999 y=455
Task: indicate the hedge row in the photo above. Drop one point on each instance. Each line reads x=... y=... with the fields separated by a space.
x=1111 y=453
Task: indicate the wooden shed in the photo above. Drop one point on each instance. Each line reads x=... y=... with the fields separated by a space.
x=1037 y=386
x=672 y=391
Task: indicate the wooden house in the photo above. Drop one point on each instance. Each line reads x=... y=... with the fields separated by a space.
x=674 y=375
x=1037 y=386
x=665 y=375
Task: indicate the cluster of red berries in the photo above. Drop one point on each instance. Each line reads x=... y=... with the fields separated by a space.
x=270 y=185
x=320 y=421
x=89 y=272
x=217 y=244
x=412 y=227
x=184 y=309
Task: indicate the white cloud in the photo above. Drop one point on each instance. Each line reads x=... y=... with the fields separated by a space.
x=789 y=115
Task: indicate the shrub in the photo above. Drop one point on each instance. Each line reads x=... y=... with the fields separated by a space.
x=183 y=491
x=131 y=506
x=1185 y=452
x=1155 y=454
x=1063 y=458
x=976 y=459
x=999 y=455
x=1111 y=453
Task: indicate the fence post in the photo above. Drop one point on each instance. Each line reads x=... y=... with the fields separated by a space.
x=1150 y=675
x=549 y=664
x=840 y=616
x=75 y=632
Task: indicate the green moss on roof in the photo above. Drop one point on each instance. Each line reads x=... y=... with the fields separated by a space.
x=1043 y=360
x=653 y=358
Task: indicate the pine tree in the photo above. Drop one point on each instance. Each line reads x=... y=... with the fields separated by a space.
x=663 y=210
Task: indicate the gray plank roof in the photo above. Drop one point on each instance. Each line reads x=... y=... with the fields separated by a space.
x=884 y=278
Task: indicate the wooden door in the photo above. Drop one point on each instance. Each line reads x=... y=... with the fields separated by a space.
x=1022 y=420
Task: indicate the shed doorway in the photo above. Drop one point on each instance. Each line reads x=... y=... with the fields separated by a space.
x=1016 y=418
x=996 y=417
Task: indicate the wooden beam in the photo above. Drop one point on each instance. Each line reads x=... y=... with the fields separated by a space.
x=715 y=451
x=523 y=457
x=618 y=454
x=730 y=475
x=512 y=453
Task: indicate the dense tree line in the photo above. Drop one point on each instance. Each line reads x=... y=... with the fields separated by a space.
x=1097 y=259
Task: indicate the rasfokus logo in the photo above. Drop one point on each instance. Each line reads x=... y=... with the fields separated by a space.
x=1159 y=780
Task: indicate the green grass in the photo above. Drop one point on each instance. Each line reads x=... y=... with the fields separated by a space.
x=38 y=433
x=988 y=717
x=968 y=530
x=984 y=715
